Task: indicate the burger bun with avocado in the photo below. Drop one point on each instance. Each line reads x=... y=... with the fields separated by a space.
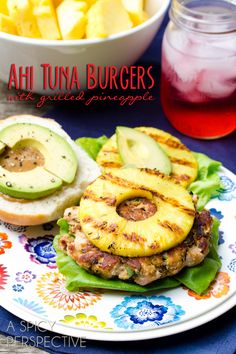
x=42 y=170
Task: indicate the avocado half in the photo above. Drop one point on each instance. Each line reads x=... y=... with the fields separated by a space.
x=140 y=150
x=60 y=162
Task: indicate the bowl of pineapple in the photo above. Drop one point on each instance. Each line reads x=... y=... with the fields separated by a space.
x=69 y=33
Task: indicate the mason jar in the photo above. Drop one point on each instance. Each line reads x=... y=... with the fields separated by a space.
x=198 y=84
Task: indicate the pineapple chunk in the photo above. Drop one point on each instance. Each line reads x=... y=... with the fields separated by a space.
x=135 y=9
x=144 y=18
x=91 y=2
x=107 y=17
x=184 y=164
x=46 y=19
x=88 y=2
x=7 y=25
x=72 y=19
x=3 y=7
x=106 y=229
x=56 y=3
x=21 y=13
x=75 y=5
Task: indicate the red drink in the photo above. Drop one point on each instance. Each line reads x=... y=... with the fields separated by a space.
x=198 y=86
x=207 y=119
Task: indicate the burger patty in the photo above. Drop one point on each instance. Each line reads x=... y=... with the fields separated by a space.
x=141 y=270
x=137 y=209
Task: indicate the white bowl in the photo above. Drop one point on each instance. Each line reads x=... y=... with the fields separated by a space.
x=120 y=49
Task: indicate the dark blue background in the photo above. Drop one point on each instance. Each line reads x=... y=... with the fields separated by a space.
x=215 y=337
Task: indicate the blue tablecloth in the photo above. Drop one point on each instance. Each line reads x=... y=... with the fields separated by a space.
x=218 y=336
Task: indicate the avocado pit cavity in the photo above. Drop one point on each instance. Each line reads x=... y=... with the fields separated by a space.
x=21 y=159
x=137 y=209
x=34 y=161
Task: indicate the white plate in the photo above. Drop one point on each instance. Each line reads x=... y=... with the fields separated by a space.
x=32 y=289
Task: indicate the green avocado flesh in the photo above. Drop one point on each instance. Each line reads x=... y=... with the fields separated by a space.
x=59 y=167
x=139 y=150
x=37 y=184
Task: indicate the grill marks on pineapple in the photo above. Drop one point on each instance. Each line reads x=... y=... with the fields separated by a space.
x=115 y=151
x=172 y=143
x=171 y=226
x=131 y=185
x=112 y=229
x=164 y=219
x=92 y=196
x=157 y=173
x=184 y=165
x=183 y=162
x=112 y=164
x=180 y=178
x=134 y=237
x=107 y=164
x=111 y=150
x=100 y=225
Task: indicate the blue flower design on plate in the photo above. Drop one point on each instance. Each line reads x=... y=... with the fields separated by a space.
x=14 y=228
x=41 y=250
x=229 y=191
x=31 y=305
x=232 y=247
x=17 y=287
x=146 y=311
x=138 y=312
x=216 y=213
x=27 y=276
x=232 y=265
x=221 y=237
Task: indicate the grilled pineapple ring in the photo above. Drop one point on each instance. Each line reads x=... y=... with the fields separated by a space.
x=114 y=234
x=184 y=164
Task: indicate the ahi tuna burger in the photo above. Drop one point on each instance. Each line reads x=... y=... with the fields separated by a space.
x=138 y=227
x=137 y=231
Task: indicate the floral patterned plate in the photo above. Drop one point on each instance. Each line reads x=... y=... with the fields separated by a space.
x=32 y=288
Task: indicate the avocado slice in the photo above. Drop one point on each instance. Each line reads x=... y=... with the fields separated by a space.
x=139 y=150
x=33 y=184
x=60 y=162
x=60 y=159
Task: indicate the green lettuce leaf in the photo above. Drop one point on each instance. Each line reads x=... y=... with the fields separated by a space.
x=92 y=145
x=207 y=184
x=64 y=226
x=206 y=166
x=197 y=278
x=77 y=277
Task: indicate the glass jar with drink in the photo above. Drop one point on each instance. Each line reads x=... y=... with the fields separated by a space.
x=198 y=86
